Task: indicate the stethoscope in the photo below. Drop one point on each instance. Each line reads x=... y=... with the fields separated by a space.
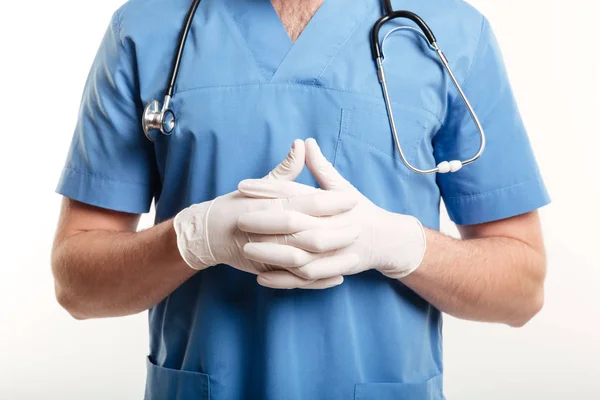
x=159 y=120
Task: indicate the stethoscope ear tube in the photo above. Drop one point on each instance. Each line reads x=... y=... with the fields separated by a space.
x=376 y=47
x=378 y=56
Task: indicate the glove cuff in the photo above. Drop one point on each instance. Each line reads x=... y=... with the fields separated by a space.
x=192 y=240
x=414 y=239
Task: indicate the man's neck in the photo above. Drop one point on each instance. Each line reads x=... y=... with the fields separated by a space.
x=295 y=14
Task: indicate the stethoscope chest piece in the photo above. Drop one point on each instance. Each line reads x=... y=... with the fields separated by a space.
x=157 y=121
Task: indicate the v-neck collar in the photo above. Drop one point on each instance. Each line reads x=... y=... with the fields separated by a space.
x=280 y=59
x=262 y=31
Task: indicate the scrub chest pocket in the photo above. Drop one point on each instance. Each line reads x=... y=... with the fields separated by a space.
x=365 y=153
x=367 y=129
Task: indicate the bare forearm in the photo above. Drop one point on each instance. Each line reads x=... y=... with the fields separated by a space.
x=106 y=274
x=494 y=279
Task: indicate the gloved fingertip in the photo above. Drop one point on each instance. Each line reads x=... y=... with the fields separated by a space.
x=330 y=282
x=255 y=251
x=267 y=280
x=350 y=198
x=248 y=247
x=241 y=223
x=314 y=145
x=251 y=188
x=246 y=184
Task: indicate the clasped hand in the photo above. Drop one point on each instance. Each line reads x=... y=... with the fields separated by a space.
x=295 y=236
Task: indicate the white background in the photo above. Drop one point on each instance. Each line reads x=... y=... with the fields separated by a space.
x=551 y=49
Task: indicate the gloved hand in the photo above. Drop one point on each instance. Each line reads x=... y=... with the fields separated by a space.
x=207 y=233
x=392 y=243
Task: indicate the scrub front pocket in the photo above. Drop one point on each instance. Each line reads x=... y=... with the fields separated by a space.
x=365 y=132
x=428 y=390
x=171 y=384
x=366 y=154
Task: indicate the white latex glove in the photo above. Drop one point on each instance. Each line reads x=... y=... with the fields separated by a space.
x=392 y=243
x=207 y=233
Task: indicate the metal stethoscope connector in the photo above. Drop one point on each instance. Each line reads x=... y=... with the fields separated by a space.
x=157 y=120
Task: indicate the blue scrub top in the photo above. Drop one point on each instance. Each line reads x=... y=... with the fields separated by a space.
x=244 y=93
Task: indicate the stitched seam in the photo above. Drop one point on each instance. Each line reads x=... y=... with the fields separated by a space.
x=358 y=139
x=344 y=43
x=252 y=53
x=476 y=54
x=344 y=131
x=413 y=155
x=104 y=178
x=344 y=123
x=383 y=152
x=306 y=85
x=119 y=22
x=385 y=115
x=164 y=316
x=482 y=194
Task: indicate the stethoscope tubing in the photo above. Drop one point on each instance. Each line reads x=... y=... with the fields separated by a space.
x=162 y=119
x=185 y=30
x=377 y=50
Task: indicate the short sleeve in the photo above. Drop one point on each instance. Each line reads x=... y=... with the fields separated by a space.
x=110 y=163
x=505 y=181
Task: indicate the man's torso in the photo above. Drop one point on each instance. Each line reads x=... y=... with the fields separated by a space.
x=245 y=92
